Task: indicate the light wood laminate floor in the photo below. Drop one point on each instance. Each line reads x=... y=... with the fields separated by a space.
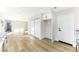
x=27 y=43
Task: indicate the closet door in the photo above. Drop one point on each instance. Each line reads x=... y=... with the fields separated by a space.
x=32 y=27
x=66 y=28
x=37 y=28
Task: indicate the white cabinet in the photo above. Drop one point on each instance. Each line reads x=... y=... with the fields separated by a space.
x=37 y=28
x=42 y=27
x=31 y=27
x=66 y=28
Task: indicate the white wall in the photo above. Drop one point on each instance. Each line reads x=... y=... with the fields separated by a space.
x=2 y=25
x=1 y=28
x=19 y=26
x=76 y=12
x=47 y=29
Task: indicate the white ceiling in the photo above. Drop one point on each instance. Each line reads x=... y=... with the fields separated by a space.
x=57 y=9
x=22 y=13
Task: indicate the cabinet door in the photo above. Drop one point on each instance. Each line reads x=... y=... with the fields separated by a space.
x=32 y=27
x=66 y=28
x=37 y=28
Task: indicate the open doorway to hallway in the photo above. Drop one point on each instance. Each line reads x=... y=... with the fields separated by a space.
x=8 y=27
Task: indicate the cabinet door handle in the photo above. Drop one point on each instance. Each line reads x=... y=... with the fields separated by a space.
x=60 y=29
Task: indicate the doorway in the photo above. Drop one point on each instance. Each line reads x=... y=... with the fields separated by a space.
x=8 y=27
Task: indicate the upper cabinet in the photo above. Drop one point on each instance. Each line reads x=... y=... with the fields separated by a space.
x=47 y=16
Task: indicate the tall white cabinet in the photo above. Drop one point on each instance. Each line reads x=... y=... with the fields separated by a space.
x=47 y=29
x=67 y=25
x=66 y=28
x=42 y=27
x=37 y=28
